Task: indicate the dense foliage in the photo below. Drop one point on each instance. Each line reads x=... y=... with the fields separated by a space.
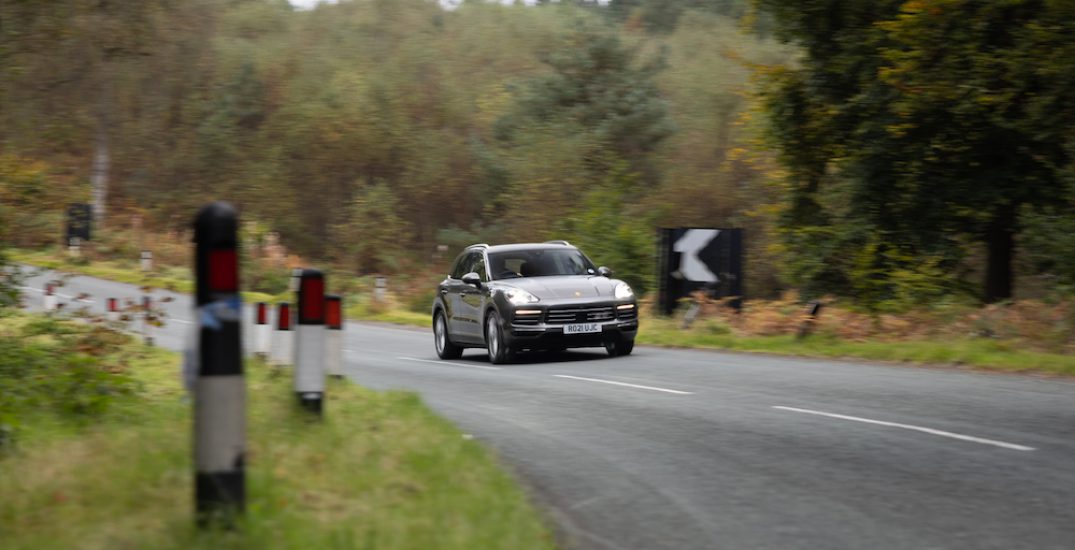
x=372 y=131
x=914 y=130
x=915 y=146
x=58 y=368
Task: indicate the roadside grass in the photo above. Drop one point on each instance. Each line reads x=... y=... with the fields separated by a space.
x=363 y=307
x=973 y=352
x=381 y=471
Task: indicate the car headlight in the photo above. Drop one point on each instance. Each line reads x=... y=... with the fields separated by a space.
x=519 y=297
x=623 y=290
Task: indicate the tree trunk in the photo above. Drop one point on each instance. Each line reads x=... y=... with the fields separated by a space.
x=1000 y=240
x=99 y=176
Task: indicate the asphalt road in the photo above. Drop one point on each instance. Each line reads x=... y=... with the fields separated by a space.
x=685 y=449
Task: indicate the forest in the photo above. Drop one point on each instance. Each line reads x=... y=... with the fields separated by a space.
x=894 y=153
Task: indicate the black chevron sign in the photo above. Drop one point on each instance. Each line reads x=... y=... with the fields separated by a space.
x=692 y=259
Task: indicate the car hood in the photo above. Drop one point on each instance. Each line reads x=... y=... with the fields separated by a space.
x=569 y=287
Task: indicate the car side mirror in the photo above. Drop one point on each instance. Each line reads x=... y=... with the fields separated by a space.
x=604 y=271
x=473 y=278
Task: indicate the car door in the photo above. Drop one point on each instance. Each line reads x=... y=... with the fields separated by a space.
x=451 y=290
x=472 y=299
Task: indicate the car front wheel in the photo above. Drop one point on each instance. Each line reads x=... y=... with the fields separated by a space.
x=445 y=348
x=494 y=340
x=617 y=347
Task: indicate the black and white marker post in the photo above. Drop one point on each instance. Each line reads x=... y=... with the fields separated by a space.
x=219 y=391
x=50 y=297
x=310 y=341
x=113 y=311
x=262 y=330
x=334 y=336
x=147 y=319
x=284 y=339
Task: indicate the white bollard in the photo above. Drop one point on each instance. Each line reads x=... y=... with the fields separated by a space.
x=50 y=297
x=262 y=330
x=380 y=289
x=147 y=261
x=113 y=312
x=310 y=342
x=333 y=336
x=284 y=339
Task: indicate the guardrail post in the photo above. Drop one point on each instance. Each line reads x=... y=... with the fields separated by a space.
x=284 y=340
x=219 y=391
x=334 y=336
x=310 y=342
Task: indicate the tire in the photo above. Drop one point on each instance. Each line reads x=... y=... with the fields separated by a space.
x=499 y=353
x=617 y=347
x=443 y=342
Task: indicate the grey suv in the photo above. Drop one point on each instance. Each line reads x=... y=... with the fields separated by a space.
x=546 y=296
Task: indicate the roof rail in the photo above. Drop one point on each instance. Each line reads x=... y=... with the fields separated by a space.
x=479 y=245
x=558 y=242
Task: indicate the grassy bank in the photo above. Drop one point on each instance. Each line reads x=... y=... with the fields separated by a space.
x=381 y=471
x=972 y=352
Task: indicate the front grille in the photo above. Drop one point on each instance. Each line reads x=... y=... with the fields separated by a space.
x=566 y=315
x=629 y=314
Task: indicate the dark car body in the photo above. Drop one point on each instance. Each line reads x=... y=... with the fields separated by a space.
x=539 y=296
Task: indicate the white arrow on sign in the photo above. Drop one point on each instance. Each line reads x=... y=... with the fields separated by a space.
x=689 y=245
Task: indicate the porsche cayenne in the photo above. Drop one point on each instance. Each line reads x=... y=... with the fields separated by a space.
x=539 y=296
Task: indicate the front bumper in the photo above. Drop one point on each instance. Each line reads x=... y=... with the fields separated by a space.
x=551 y=336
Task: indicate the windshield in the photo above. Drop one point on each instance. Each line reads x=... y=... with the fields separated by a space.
x=539 y=262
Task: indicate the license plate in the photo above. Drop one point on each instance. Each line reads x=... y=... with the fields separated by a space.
x=582 y=328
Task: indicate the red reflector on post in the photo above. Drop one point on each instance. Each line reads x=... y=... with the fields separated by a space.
x=48 y=289
x=112 y=305
x=263 y=317
x=333 y=313
x=283 y=316
x=223 y=270
x=312 y=300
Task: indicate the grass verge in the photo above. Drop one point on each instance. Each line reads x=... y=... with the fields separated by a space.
x=974 y=352
x=381 y=471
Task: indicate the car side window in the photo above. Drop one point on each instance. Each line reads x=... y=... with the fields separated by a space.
x=460 y=267
x=479 y=266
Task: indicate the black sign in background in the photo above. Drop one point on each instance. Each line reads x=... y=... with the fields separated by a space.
x=723 y=256
x=79 y=221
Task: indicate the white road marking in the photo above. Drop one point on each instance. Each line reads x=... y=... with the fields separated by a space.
x=614 y=383
x=449 y=363
x=932 y=431
x=184 y=321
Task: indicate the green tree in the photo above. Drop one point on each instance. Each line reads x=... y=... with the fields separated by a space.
x=910 y=128
x=598 y=90
x=373 y=239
